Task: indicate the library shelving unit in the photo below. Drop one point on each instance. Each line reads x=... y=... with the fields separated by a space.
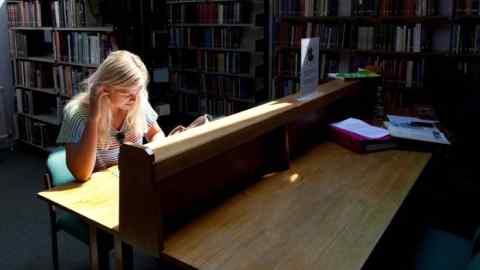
x=54 y=45
x=216 y=55
x=156 y=57
x=402 y=38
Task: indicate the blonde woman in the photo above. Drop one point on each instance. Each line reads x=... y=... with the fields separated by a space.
x=112 y=108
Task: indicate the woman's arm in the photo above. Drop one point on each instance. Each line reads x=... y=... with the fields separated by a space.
x=81 y=156
x=155 y=133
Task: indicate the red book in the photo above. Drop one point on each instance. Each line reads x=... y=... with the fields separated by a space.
x=213 y=13
x=360 y=144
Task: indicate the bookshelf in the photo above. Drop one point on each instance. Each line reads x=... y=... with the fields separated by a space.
x=403 y=38
x=54 y=45
x=216 y=55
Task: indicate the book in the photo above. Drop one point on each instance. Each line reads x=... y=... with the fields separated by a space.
x=353 y=75
x=358 y=143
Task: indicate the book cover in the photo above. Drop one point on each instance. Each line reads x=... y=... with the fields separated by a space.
x=358 y=143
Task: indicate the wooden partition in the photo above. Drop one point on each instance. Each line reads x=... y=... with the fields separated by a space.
x=164 y=185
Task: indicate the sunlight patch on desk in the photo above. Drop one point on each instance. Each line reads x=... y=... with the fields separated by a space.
x=268 y=175
x=294 y=177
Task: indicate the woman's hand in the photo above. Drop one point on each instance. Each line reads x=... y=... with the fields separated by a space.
x=199 y=121
x=178 y=129
x=96 y=98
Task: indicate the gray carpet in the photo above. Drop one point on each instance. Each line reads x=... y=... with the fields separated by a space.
x=24 y=229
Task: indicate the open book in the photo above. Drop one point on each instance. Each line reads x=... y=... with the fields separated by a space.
x=201 y=120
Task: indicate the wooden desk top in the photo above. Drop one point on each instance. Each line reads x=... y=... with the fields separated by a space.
x=327 y=211
x=96 y=200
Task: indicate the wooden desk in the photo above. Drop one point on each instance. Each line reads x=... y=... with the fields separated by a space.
x=96 y=202
x=328 y=210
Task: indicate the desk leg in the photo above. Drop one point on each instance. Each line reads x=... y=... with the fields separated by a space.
x=93 y=247
x=123 y=255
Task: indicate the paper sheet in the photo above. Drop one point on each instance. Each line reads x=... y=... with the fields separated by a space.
x=361 y=128
x=416 y=133
x=407 y=120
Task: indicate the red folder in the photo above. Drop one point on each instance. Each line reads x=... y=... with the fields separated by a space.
x=358 y=143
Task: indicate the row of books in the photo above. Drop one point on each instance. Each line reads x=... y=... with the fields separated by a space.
x=331 y=36
x=225 y=62
x=67 y=79
x=24 y=101
x=69 y=13
x=32 y=44
x=39 y=104
x=411 y=38
x=228 y=87
x=33 y=74
x=73 y=47
x=467 y=7
x=466 y=39
x=396 y=73
x=35 y=132
x=289 y=64
x=25 y=13
x=213 y=106
x=285 y=87
x=83 y=47
x=210 y=13
x=470 y=70
x=205 y=37
x=222 y=86
x=394 y=7
x=219 y=107
x=58 y=13
x=305 y=7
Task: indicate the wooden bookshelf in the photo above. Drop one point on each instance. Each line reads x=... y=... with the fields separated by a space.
x=76 y=64
x=38 y=70
x=28 y=28
x=398 y=54
x=228 y=25
x=199 y=1
x=438 y=25
x=401 y=19
x=42 y=148
x=240 y=75
x=50 y=91
x=202 y=34
x=37 y=59
x=49 y=119
x=466 y=19
x=211 y=49
x=317 y=19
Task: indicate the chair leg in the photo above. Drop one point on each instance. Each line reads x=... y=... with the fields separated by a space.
x=54 y=241
x=53 y=236
x=104 y=244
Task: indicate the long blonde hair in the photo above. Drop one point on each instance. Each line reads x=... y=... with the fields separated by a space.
x=121 y=69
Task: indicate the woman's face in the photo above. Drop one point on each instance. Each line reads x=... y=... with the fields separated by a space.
x=123 y=98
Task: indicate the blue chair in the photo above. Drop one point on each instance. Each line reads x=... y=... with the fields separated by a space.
x=441 y=250
x=58 y=174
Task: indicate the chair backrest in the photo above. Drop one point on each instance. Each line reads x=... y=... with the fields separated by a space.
x=57 y=168
x=474 y=263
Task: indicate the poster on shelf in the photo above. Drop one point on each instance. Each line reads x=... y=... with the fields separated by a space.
x=309 y=67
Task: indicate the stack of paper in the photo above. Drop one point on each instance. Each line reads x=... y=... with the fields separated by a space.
x=415 y=129
x=361 y=128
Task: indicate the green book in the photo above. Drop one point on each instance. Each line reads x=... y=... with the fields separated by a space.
x=353 y=75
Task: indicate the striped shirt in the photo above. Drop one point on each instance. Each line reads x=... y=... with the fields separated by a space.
x=74 y=124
